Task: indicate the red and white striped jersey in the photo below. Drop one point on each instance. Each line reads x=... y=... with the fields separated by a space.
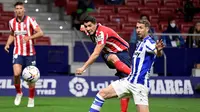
x=21 y=29
x=113 y=42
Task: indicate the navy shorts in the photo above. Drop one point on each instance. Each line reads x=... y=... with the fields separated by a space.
x=24 y=60
x=123 y=56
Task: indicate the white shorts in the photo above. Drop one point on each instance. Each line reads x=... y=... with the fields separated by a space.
x=139 y=92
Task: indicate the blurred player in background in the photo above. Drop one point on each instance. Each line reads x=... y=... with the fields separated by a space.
x=114 y=51
x=23 y=30
x=137 y=83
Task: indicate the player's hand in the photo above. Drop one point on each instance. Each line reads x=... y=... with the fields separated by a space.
x=82 y=28
x=26 y=39
x=6 y=48
x=79 y=71
x=159 y=45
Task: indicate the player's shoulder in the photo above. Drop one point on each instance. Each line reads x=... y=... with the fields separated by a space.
x=149 y=40
x=29 y=17
x=11 y=20
x=102 y=28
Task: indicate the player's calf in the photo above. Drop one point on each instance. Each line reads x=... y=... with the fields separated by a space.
x=97 y=103
x=100 y=98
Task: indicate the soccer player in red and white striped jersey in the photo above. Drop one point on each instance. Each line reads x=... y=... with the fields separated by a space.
x=114 y=51
x=23 y=30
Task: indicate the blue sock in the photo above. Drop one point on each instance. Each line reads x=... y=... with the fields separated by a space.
x=97 y=104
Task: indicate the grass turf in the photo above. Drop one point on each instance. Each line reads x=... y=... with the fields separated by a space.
x=72 y=104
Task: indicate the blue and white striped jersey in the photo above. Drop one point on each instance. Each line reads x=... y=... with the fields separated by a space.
x=142 y=60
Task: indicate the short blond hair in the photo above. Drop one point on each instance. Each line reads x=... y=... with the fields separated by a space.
x=145 y=22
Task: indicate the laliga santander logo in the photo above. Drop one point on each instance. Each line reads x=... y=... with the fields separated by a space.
x=78 y=87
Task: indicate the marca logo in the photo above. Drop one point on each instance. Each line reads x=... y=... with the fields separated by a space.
x=44 y=86
x=171 y=87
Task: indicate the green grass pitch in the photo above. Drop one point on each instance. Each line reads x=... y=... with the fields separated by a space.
x=71 y=104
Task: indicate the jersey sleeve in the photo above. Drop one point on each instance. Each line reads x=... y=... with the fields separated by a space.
x=101 y=38
x=10 y=26
x=33 y=23
x=150 y=46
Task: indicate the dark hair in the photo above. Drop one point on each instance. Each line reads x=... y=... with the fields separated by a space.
x=197 y=22
x=89 y=19
x=145 y=22
x=171 y=18
x=18 y=3
x=145 y=16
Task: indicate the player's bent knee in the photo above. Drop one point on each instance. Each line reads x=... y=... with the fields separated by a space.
x=17 y=73
x=113 y=58
x=102 y=93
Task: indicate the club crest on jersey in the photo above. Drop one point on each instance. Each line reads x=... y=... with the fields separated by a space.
x=17 y=33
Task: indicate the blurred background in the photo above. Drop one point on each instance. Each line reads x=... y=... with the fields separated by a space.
x=64 y=47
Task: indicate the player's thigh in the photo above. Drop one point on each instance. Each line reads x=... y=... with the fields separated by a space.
x=120 y=88
x=108 y=63
x=30 y=60
x=108 y=92
x=124 y=57
x=17 y=68
x=140 y=95
x=142 y=108
x=17 y=64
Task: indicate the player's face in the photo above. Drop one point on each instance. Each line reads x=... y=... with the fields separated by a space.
x=141 y=30
x=19 y=10
x=90 y=27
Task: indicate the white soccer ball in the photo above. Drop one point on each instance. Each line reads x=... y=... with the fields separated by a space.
x=31 y=74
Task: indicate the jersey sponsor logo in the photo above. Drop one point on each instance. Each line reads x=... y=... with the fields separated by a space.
x=137 y=53
x=43 y=86
x=171 y=87
x=17 y=33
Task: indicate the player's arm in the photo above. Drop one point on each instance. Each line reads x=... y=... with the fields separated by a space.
x=94 y=55
x=159 y=48
x=10 y=39
x=101 y=41
x=39 y=33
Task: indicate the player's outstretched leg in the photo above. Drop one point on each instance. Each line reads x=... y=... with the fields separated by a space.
x=17 y=72
x=124 y=104
x=31 y=95
x=119 y=65
x=100 y=98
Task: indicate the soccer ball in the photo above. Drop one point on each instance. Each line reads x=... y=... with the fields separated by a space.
x=31 y=74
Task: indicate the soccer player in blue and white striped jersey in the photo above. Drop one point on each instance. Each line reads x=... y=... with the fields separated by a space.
x=137 y=83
